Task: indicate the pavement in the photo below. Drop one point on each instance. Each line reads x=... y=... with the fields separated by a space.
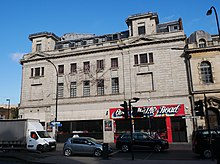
x=55 y=157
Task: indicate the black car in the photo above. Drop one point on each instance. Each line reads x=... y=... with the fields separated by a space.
x=201 y=142
x=141 y=140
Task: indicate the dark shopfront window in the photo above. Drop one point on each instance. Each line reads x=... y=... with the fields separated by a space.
x=152 y=124
x=122 y=125
x=86 y=128
x=143 y=124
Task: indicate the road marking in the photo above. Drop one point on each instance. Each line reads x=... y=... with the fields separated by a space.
x=115 y=152
x=147 y=157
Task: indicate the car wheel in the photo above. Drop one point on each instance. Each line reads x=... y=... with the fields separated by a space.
x=97 y=153
x=67 y=152
x=40 y=148
x=157 y=148
x=125 y=148
x=207 y=154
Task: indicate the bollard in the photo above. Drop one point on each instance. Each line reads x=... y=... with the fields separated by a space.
x=105 y=150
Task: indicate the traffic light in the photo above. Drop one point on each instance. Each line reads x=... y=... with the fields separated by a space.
x=198 y=108
x=135 y=112
x=125 y=106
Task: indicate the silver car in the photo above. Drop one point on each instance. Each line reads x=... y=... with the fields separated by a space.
x=83 y=145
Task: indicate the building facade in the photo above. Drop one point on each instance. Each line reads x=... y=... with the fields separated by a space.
x=93 y=75
x=203 y=59
x=8 y=111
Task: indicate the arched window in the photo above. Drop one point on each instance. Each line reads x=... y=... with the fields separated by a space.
x=202 y=43
x=206 y=72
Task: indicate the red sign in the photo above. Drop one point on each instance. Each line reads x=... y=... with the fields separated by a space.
x=153 y=111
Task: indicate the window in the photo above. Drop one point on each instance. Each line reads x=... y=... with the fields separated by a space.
x=114 y=63
x=206 y=72
x=86 y=88
x=96 y=40
x=60 y=89
x=202 y=43
x=100 y=87
x=100 y=65
x=175 y=27
x=38 y=47
x=73 y=89
x=42 y=71
x=141 y=30
x=115 y=85
x=151 y=59
x=109 y=38
x=32 y=72
x=144 y=58
x=73 y=68
x=34 y=135
x=60 y=69
x=76 y=141
x=83 y=42
x=72 y=44
x=37 y=72
x=86 y=67
x=115 y=36
x=135 y=59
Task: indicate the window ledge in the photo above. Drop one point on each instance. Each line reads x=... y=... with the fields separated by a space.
x=72 y=73
x=143 y=64
x=114 y=68
x=36 y=100
x=36 y=77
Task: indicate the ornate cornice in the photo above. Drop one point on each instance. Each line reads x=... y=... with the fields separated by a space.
x=131 y=42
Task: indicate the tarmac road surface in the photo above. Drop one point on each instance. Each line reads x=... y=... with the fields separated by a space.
x=177 y=154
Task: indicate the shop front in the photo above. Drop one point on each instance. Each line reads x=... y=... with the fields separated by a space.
x=164 y=120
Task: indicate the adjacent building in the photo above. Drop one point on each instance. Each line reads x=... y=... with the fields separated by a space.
x=8 y=111
x=92 y=75
x=202 y=54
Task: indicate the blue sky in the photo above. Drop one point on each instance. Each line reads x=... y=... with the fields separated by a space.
x=19 y=18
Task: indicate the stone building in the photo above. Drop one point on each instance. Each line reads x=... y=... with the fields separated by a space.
x=98 y=73
x=8 y=111
x=203 y=59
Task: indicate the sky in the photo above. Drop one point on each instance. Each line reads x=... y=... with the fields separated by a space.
x=20 y=18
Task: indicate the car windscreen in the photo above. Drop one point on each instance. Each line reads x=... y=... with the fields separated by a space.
x=43 y=134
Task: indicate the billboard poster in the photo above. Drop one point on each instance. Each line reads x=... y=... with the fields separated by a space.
x=108 y=125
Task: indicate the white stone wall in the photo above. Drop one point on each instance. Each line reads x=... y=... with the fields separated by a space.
x=168 y=75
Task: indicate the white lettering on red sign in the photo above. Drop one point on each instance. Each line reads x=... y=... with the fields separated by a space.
x=168 y=110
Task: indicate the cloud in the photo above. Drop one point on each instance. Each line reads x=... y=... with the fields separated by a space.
x=17 y=56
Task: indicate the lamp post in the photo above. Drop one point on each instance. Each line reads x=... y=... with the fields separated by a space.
x=8 y=107
x=56 y=104
x=209 y=12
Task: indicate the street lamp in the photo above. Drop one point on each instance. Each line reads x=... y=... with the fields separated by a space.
x=209 y=12
x=8 y=107
x=55 y=120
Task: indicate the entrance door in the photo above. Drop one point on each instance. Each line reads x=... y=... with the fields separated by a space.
x=178 y=126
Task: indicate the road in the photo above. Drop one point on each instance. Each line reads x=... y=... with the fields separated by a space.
x=180 y=154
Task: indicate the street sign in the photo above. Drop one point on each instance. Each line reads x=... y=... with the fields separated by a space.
x=59 y=125
x=55 y=123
